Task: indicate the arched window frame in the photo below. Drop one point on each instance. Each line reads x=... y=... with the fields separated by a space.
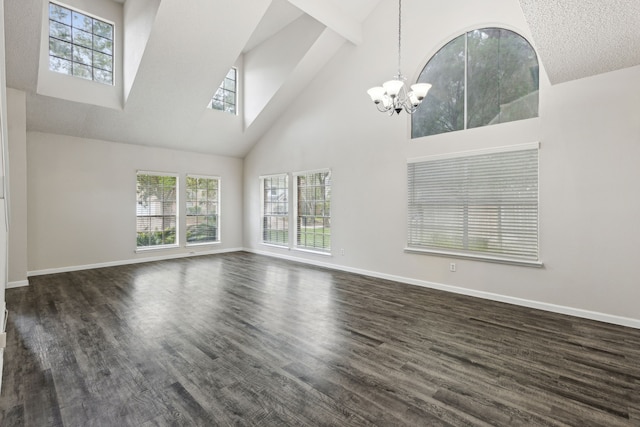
x=529 y=100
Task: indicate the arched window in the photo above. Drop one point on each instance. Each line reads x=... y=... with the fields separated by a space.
x=491 y=71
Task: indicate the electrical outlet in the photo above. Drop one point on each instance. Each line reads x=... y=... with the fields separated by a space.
x=342 y=251
x=452 y=267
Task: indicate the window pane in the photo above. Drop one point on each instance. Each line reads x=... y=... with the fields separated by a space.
x=82 y=22
x=60 y=14
x=202 y=210
x=102 y=61
x=443 y=108
x=103 y=29
x=83 y=71
x=60 y=49
x=502 y=78
x=103 y=76
x=82 y=55
x=59 y=31
x=156 y=216
x=103 y=45
x=82 y=38
x=59 y=65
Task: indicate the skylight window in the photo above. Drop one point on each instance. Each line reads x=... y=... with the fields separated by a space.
x=225 y=97
x=80 y=45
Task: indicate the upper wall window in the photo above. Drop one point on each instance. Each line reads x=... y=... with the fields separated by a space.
x=225 y=98
x=80 y=45
x=480 y=78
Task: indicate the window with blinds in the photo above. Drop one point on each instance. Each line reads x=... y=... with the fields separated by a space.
x=203 y=204
x=479 y=204
x=275 y=209
x=313 y=210
x=156 y=210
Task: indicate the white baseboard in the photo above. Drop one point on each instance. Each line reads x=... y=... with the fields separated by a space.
x=3 y=307
x=577 y=312
x=18 y=284
x=129 y=261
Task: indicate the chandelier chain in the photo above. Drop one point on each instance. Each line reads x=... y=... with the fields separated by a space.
x=399 y=37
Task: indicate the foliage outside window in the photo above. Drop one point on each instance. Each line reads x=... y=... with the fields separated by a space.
x=225 y=97
x=275 y=209
x=80 y=45
x=203 y=204
x=491 y=71
x=484 y=205
x=156 y=210
x=313 y=203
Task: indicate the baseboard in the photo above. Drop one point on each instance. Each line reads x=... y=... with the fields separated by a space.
x=576 y=312
x=18 y=284
x=3 y=328
x=129 y=261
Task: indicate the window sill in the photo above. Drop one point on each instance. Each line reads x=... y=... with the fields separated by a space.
x=275 y=245
x=190 y=245
x=156 y=248
x=311 y=251
x=476 y=257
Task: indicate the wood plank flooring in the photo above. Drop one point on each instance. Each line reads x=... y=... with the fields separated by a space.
x=242 y=339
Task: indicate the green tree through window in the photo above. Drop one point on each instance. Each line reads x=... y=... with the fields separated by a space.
x=500 y=85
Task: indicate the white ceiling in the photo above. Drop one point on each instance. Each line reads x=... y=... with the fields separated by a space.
x=166 y=104
x=581 y=38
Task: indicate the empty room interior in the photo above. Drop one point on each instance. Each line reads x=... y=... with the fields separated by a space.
x=320 y=212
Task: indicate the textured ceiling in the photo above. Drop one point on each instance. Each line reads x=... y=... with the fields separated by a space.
x=581 y=38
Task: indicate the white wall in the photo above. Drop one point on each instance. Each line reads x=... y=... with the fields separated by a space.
x=589 y=199
x=82 y=200
x=17 y=130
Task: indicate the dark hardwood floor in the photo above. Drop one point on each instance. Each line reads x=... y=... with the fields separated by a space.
x=242 y=339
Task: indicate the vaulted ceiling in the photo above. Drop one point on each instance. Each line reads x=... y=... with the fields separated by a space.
x=175 y=55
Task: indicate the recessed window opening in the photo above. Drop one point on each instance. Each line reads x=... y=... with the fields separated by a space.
x=80 y=45
x=225 y=98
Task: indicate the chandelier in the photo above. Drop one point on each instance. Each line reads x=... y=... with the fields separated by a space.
x=392 y=96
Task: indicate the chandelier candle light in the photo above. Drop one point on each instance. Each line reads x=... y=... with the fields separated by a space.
x=392 y=96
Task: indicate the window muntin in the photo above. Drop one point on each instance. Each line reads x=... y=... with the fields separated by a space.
x=203 y=207
x=80 y=45
x=493 y=71
x=313 y=210
x=225 y=98
x=275 y=209
x=485 y=204
x=156 y=210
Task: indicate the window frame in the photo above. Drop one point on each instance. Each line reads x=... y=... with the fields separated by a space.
x=72 y=61
x=468 y=200
x=296 y=212
x=466 y=87
x=176 y=217
x=263 y=214
x=217 y=214
x=221 y=88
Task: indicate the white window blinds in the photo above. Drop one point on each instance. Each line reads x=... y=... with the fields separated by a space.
x=481 y=204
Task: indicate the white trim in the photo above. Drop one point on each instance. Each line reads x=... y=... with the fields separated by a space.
x=18 y=284
x=554 y=308
x=477 y=257
x=492 y=150
x=129 y=261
